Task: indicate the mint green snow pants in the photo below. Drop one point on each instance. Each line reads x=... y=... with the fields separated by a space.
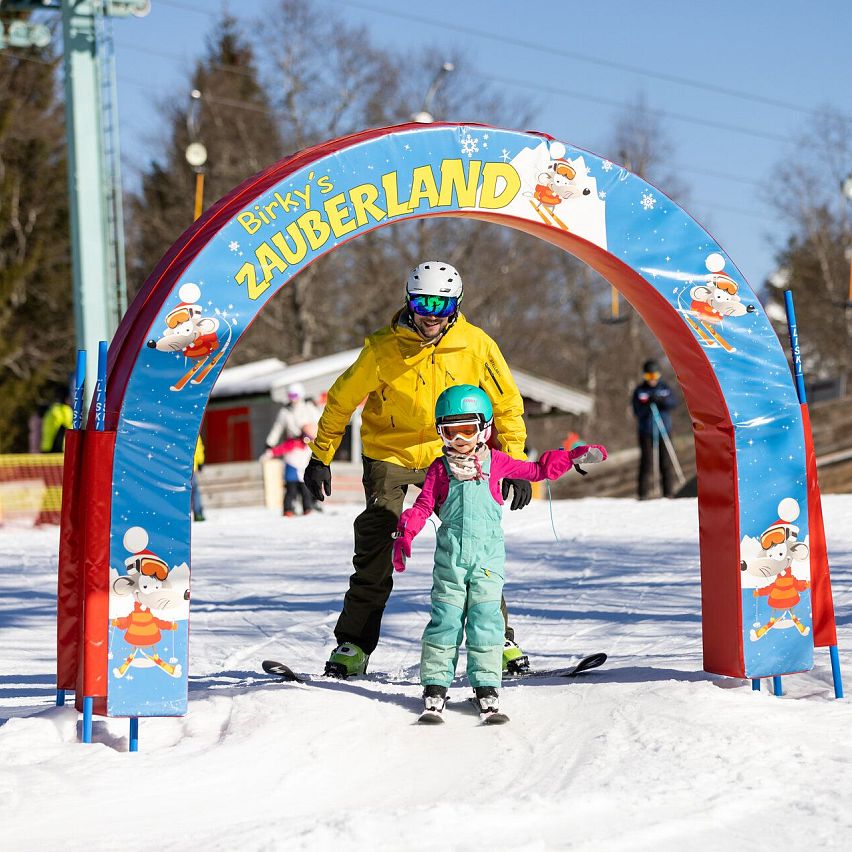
x=467 y=586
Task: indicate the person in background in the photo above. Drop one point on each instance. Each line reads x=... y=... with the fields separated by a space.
x=58 y=417
x=34 y=428
x=296 y=454
x=653 y=402
x=293 y=417
x=399 y=374
x=197 y=465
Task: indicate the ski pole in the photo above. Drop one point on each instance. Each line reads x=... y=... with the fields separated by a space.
x=825 y=630
x=655 y=448
x=658 y=421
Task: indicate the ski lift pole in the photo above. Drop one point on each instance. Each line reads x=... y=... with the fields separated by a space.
x=800 y=390
x=664 y=434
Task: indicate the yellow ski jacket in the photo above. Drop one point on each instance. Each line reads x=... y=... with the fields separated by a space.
x=402 y=379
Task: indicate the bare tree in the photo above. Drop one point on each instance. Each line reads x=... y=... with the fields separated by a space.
x=804 y=189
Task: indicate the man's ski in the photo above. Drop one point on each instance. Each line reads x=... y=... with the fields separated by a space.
x=274 y=668
x=593 y=661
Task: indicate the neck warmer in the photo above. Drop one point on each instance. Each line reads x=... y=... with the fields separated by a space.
x=464 y=467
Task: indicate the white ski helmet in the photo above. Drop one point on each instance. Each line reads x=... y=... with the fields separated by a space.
x=434 y=278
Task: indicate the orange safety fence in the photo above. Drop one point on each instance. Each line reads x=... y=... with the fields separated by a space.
x=30 y=488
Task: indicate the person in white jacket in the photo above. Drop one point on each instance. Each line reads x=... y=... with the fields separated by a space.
x=294 y=417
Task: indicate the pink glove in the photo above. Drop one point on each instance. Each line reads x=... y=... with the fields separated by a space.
x=401 y=551
x=555 y=463
x=588 y=454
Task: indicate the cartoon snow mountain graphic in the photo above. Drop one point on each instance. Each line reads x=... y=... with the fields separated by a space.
x=556 y=189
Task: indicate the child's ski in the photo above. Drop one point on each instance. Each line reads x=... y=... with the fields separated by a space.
x=593 y=661
x=495 y=717
x=431 y=717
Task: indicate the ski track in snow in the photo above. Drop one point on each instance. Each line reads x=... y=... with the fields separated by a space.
x=647 y=753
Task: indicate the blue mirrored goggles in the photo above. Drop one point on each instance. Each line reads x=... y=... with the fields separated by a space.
x=433 y=306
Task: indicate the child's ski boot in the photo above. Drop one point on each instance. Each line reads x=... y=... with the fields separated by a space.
x=346 y=660
x=514 y=659
x=488 y=703
x=434 y=699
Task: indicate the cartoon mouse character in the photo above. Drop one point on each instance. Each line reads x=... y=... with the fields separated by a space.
x=714 y=300
x=778 y=549
x=146 y=579
x=557 y=183
x=195 y=335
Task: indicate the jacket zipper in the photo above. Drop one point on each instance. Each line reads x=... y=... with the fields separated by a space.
x=494 y=379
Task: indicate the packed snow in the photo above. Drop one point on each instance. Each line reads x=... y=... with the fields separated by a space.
x=648 y=752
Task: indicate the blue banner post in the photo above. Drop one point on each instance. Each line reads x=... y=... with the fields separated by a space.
x=100 y=422
x=79 y=388
x=100 y=388
x=800 y=390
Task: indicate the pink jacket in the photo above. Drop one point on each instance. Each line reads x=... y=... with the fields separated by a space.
x=551 y=465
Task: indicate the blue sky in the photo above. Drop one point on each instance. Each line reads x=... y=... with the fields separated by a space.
x=736 y=80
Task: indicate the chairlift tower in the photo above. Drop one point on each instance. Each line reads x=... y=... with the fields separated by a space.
x=94 y=177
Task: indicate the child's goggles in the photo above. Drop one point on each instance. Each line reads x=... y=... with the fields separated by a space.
x=467 y=429
x=433 y=306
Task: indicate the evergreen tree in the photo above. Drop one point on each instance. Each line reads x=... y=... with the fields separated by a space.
x=36 y=318
x=235 y=123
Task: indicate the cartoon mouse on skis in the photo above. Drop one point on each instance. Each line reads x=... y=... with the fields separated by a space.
x=778 y=549
x=713 y=301
x=195 y=335
x=145 y=579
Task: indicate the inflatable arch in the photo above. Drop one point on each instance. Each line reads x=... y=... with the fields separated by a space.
x=125 y=542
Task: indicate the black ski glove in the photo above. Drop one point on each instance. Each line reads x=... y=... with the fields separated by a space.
x=522 y=492
x=318 y=479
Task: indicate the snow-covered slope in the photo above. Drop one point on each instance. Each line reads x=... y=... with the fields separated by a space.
x=647 y=753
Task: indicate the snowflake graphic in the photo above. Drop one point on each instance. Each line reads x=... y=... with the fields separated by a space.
x=607 y=165
x=505 y=155
x=469 y=145
x=601 y=194
x=234 y=245
x=648 y=201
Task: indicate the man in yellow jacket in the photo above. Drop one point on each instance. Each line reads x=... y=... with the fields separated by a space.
x=401 y=371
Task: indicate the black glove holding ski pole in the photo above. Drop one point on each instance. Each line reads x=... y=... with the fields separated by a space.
x=522 y=492
x=318 y=479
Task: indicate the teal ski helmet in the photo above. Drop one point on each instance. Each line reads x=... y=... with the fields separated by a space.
x=462 y=400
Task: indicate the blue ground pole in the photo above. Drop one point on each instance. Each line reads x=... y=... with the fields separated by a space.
x=776 y=685
x=88 y=703
x=835 y=671
x=800 y=390
x=755 y=684
x=134 y=733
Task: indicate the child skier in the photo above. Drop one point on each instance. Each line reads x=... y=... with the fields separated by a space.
x=463 y=487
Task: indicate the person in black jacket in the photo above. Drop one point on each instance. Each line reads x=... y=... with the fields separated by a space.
x=653 y=401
